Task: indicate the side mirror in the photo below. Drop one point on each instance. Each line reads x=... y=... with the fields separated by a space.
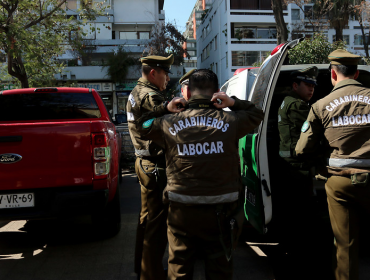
x=121 y=118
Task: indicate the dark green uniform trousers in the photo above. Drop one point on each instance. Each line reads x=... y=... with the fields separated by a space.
x=347 y=202
x=151 y=236
x=197 y=230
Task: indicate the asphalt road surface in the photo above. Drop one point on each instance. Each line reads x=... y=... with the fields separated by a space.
x=69 y=249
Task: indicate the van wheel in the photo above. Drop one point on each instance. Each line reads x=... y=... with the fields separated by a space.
x=108 y=222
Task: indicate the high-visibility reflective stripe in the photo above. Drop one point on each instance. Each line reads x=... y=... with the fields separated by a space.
x=130 y=116
x=210 y=199
x=142 y=153
x=345 y=162
x=285 y=153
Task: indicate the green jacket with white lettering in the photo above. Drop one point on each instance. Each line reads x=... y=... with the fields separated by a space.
x=145 y=97
x=293 y=112
x=343 y=118
x=201 y=148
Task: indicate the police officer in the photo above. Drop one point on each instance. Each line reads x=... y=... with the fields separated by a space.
x=151 y=238
x=342 y=117
x=203 y=186
x=293 y=112
x=184 y=82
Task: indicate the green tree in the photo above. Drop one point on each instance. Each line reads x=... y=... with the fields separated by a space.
x=313 y=51
x=165 y=40
x=34 y=32
x=118 y=65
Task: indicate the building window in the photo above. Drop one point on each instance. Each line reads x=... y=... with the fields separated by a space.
x=190 y=45
x=227 y=61
x=296 y=14
x=127 y=35
x=359 y=39
x=70 y=5
x=240 y=31
x=208 y=29
x=226 y=5
x=345 y=39
x=308 y=11
x=216 y=42
x=248 y=58
x=192 y=53
x=144 y=35
x=216 y=69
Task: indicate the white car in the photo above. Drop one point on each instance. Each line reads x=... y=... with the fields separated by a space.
x=259 y=151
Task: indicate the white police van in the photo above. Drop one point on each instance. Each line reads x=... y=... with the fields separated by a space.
x=259 y=150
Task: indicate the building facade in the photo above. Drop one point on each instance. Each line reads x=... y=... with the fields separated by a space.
x=127 y=24
x=237 y=34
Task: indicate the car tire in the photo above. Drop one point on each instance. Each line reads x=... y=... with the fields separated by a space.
x=108 y=222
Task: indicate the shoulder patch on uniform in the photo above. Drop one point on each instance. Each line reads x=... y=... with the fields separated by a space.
x=282 y=104
x=148 y=123
x=305 y=126
x=132 y=100
x=152 y=93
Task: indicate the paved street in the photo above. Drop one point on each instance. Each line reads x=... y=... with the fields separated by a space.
x=69 y=249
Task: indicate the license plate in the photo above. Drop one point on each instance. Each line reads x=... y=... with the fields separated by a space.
x=17 y=200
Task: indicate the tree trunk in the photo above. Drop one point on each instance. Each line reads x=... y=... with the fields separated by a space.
x=364 y=39
x=338 y=32
x=17 y=70
x=282 y=31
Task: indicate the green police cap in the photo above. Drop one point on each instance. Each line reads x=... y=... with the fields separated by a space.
x=342 y=57
x=185 y=79
x=307 y=75
x=158 y=61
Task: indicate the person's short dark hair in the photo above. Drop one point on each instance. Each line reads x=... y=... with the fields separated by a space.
x=203 y=80
x=345 y=70
x=298 y=81
x=146 y=69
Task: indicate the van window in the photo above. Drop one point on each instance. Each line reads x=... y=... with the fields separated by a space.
x=48 y=106
x=262 y=81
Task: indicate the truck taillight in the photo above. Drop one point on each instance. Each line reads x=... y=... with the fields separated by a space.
x=101 y=154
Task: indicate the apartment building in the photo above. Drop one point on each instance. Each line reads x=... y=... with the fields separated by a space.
x=195 y=19
x=128 y=24
x=236 y=34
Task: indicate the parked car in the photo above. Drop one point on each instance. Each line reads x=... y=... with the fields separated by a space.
x=59 y=156
x=259 y=151
x=241 y=83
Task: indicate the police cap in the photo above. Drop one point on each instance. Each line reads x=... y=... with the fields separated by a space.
x=342 y=57
x=158 y=61
x=185 y=79
x=307 y=75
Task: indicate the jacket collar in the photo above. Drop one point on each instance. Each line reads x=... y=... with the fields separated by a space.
x=146 y=83
x=201 y=101
x=346 y=82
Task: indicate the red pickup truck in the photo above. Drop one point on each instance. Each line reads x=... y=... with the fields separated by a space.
x=59 y=155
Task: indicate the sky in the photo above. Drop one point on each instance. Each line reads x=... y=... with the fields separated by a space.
x=178 y=11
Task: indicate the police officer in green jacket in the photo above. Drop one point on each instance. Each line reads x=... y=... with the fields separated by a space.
x=151 y=237
x=293 y=199
x=294 y=110
x=342 y=119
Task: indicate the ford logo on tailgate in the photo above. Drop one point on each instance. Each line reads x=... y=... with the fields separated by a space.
x=10 y=158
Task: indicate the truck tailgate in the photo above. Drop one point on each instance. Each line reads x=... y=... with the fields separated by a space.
x=53 y=155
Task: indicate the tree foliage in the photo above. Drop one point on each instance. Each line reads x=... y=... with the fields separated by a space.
x=33 y=33
x=166 y=40
x=118 y=64
x=314 y=51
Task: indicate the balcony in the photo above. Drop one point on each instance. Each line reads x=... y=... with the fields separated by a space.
x=98 y=73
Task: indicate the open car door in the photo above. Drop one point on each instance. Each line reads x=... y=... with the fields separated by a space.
x=253 y=147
